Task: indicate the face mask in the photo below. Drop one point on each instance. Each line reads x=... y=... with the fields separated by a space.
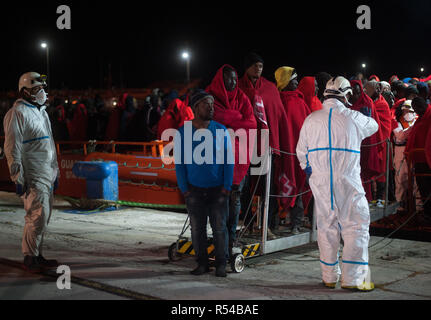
x=409 y=117
x=40 y=97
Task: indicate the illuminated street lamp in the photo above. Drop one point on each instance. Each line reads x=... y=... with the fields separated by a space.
x=45 y=46
x=364 y=68
x=186 y=56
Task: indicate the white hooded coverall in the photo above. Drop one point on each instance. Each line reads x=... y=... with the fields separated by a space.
x=32 y=160
x=330 y=142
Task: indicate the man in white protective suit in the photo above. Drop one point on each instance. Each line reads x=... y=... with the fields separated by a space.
x=329 y=151
x=31 y=155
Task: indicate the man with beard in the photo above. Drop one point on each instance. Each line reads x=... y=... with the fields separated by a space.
x=270 y=115
x=233 y=109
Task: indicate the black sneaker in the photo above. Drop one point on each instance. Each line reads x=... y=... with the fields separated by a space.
x=47 y=263
x=31 y=264
x=220 y=271
x=200 y=270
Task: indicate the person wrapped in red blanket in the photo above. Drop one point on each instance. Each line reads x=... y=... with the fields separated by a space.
x=371 y=158
x=175 y=115
x=233 y=109
x=418 y=140
x=373 y=90
x=309 y=88
x=296 y=111
x=270 y=115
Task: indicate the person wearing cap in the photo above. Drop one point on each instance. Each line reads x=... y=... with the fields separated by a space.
x=329 y=151
x=296 y=111
x=32 y=160
x=270 y=116
x=204 y=176
x=406 y=118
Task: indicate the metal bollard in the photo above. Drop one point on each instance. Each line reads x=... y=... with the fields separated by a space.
x=266 y=206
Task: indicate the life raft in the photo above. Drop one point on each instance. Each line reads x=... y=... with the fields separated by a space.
x=143 y=178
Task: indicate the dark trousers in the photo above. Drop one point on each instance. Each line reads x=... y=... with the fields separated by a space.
x=204 y=203
x=234 y=211
x=424 y=185
x=381 y=188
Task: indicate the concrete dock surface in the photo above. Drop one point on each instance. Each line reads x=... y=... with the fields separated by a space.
x=123 y=254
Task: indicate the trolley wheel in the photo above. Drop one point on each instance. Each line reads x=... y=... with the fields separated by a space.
x=238 y=263
x=172 y=252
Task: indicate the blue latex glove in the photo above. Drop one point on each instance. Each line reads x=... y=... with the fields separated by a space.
x=308 y=171
x=56 y=184
x=19 y=189
x=365 y=111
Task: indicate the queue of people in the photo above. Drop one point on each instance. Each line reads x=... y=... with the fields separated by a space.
x=328 y=134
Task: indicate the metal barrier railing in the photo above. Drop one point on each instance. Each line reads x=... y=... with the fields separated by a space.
x=153 y=148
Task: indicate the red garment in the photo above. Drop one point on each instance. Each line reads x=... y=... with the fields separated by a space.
x=233 y=109
x=174 y=116
x=62 y=116
x=371 y=158
x=428 y=148
x=296 y=111
x=269 y=113
x=418 y=136
x=385 y=126
x=374 y=77
x=113 y=126
x=78 y=125
x=308 y=88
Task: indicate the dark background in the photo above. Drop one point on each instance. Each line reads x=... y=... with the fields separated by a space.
x=143 y=40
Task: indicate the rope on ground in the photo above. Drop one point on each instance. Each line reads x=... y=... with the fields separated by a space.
x=400 y=227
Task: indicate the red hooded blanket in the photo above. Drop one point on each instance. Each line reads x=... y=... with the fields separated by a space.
x=174 y=116
x=308 y=88
x=269 y=112
x=233 y=109
x=296 y=111
x=371 y=161
x=385 y=127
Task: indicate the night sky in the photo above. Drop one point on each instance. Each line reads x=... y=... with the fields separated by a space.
x=143 y=40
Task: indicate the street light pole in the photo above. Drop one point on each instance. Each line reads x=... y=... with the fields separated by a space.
x=188 y=70
x=45 y=46
x=186 y=56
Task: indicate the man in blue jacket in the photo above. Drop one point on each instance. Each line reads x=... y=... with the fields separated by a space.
x=204 y=169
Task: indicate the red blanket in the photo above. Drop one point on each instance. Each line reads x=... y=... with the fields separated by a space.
x=174 y=116
x=78 y=125
x=428 y=148
x=233 y=109
x=296 y=111
x=308 y=88
x=371 y=161
x=269 y=112
x=418 y=136
x=385 y=126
